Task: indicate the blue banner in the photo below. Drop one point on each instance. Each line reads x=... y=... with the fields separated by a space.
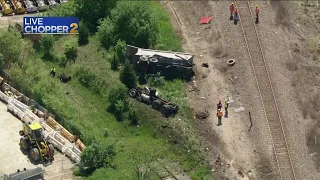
x=51 y=25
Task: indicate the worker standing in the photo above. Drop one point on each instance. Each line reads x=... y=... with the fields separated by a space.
x=53 y=72
x=235 y=15
x=219 y=105
x=219 y=115
x=226 y=106
x=231 y=8
x=257 y=10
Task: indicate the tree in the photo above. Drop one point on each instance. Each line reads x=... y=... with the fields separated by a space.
x=120 y=50
x=132 y=116
x=94 y=10
x=97 y=155
x=10 y=43
x=83 y=38
x=106 y=33
x=71 y=51
x=135 y=23
x=1 y=61
x=47 y=45
x=64 y=10
x=128 y=75
x=114 y=62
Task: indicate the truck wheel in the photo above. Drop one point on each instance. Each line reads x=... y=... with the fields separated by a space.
x=133 y=92
x=24 y=143
x=51 y=150
x=34 y=154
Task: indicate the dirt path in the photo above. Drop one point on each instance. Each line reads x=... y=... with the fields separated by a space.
x=240 y=149
x=243 y=153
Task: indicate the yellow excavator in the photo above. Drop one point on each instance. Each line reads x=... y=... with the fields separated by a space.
x=33 y=142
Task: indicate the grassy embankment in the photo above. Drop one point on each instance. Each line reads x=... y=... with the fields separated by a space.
x=85 y=111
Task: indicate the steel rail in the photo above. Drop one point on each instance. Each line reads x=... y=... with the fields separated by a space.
x=267 y=98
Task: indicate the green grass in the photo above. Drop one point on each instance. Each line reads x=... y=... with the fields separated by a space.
x=85 y=112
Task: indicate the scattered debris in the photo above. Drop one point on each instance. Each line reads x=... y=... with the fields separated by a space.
x=203 y=114
x=206 y=65
x=239 y=109
x=231 y=80
x=240 y=173
x=203 y=98
x=206 y=20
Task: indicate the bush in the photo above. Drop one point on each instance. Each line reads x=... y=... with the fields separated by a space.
x=117 y=98
x=97 y=155
x=128 y=75
x=62 y=60
x=156 y=80
x=106 y=33
x=47 y=45
x=132 y=116
x=71 y=51
x=10 y=46
x=120 y=50
x=83 y=38
x=1 y=61
x=90 y=80
x=114 y=62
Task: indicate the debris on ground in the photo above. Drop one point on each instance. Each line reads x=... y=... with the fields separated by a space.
x=240 y=173
x=239 y=109
x=203 y=114
x=206 y=65
x=203 y=98
x=206 y=20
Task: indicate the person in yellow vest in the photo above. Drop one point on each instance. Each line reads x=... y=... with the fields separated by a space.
x=53 y=72
x=226 y=106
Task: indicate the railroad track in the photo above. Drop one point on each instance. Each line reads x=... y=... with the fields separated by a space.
x=274 y=124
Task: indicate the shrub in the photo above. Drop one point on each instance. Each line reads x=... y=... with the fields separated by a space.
x=71 y=51
x=106 y=33
x=97 y=155
x=128 y=75
x=156 y=80
x=117 y=93
x=47 y=45
x=10 y=46
x=1 y=61
x=62 y=60
x=120 y=50
x=132 y=116
x=114 y=62
x=83 y=38
x=89 y=80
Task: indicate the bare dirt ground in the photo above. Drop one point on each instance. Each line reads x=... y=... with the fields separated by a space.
x=11 y=157
x=6 y=20
x=288 y=34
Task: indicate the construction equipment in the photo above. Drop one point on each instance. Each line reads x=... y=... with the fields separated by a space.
x=30 y=6
x=18 y=7
x=33 y=141
x=150 y=96
x=52 y=3
x=41 y=5
x=6 y=7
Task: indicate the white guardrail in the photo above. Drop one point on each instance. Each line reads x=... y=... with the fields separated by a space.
x=53 y=136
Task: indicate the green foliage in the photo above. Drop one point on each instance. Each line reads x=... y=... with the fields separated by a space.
x=83 y=38
x=131 y=21
x=10 y=42
x=128 y=75
x=156 y=80
x=97 y=155
x=132 y=115
x=1 y=61
x=62 y=60
x=47 y=45
x=90 y=12
x=64 y=10
x=114 y=62
x=116 y=94
x=120 y=50
x=106 y=33
x=89 y=80
x=71 y=51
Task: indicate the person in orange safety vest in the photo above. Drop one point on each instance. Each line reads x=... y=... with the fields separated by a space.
x=257 y=10
x=219 y=115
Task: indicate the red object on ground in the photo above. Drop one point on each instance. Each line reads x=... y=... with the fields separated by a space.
x=205 y=20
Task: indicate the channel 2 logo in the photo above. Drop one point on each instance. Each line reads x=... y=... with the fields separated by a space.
x=51 y=25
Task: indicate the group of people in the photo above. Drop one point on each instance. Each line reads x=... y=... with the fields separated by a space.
x=219 y=111
x=234 y=15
